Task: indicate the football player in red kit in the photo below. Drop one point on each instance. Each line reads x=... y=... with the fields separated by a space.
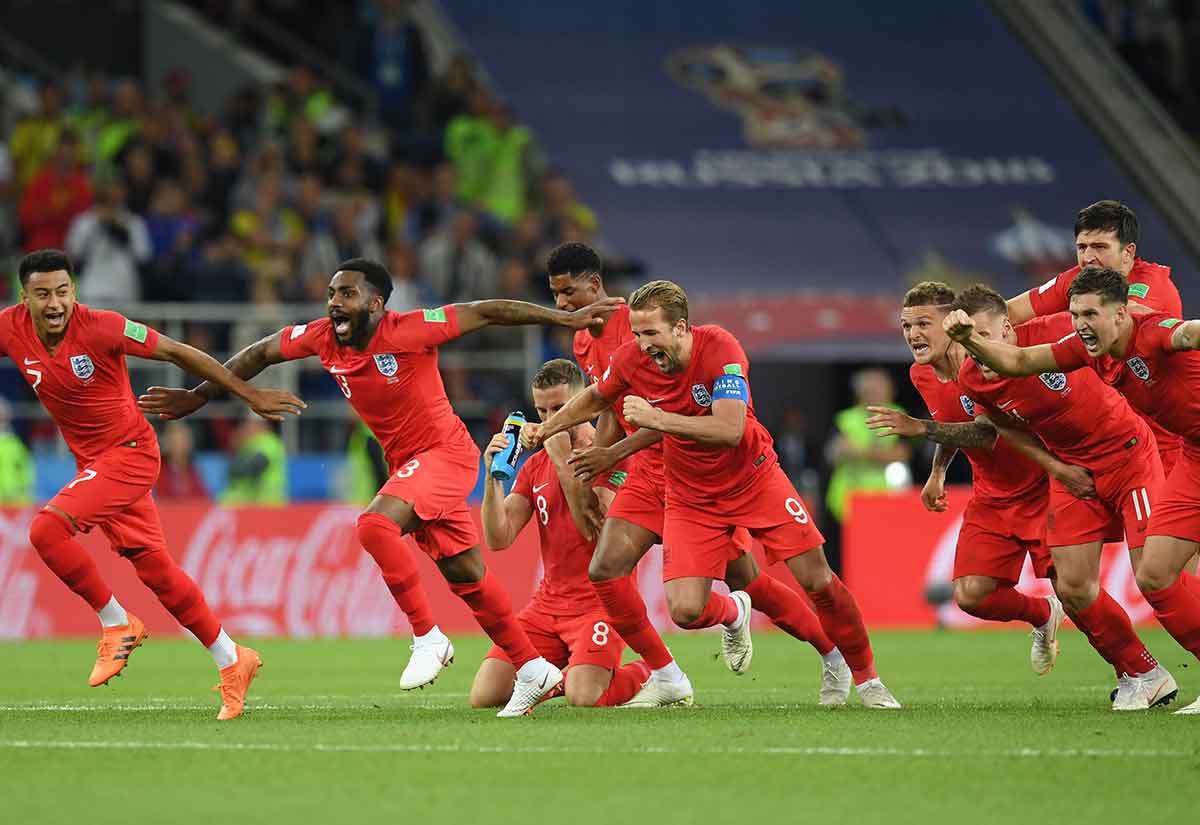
x=73 y=358
x=691 y=384
x=386 y=365
x=565 y=620
x=1151 y=358
x=1005 y=520
x=1082 y=421
x=634 y=524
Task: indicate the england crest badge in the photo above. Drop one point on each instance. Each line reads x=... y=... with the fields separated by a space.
x=1138 y=367
x=82 y=366
x=701 y=396
x=968 y=405
x=386 y=364
x=1056 y=381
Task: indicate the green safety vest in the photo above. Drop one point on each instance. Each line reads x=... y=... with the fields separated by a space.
x=856 y=476
x=16 y=471
x=471 y=144
x=361 y=487
x=269 y=488
x=507 y=188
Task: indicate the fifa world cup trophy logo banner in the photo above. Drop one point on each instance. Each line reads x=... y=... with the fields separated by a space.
x=787 y=98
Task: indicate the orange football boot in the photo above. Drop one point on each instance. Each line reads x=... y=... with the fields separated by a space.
x=113 y=649
x=235 y=681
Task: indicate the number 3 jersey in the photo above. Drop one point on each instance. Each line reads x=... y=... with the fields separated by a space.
x=85 y=384
x=565 y=589
x=394 y=384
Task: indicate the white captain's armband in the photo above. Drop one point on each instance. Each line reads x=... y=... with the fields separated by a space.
x=731 y=386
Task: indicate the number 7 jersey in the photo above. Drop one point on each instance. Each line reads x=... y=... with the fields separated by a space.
x=393 y=384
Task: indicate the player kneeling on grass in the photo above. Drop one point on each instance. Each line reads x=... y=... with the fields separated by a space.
x=565 y=621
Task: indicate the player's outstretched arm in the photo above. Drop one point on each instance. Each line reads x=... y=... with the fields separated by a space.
x=1077 y=480
x=590 y=463
x=271 y=404
x=933 y=494
x=724 y=428
x=1004 y=359
x=503 y=516
x=1186 y=336
x=977 y=434
x=1020 y=309
x=583 y=406
x=171 y=403
x=504 y=313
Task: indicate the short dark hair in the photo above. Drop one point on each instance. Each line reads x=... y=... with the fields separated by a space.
x=574 y=259
x=44 y=260
x=557 y=372
x=929 y=293
x=978 y=298
x=375 y=274
x=1109 y=216
x=1109 y=284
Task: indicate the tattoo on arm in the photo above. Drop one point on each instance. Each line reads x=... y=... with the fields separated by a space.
x=969 y=434
x=943 y=454
x=245 y=365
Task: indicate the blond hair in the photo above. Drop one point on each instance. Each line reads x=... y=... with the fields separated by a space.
x=664 y=295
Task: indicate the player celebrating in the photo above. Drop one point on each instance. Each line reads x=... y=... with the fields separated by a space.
x=690 y=383
x=1082 y=421
x=1005 y=520
x=635 y=521
x=385 y=363
x=73 y=357
x=1151 y=358
x=565 y=620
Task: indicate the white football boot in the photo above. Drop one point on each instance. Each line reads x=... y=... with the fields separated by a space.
x=1146 y=691
x=662 y=693
x=528 y=691
x=1045 y=639
x=736 y=645
x=874 y=694
x=427 y=660
x=1191 y=710
x=835 y=679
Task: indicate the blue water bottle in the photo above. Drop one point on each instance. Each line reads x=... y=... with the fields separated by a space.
x=504 y=463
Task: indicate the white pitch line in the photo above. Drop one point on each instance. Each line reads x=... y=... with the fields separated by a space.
x=783 y=750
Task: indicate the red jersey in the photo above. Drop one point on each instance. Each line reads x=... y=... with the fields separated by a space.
x=1150 y=285
x=696 y=473
x=394 y=384
x=1079 y=418
x=999 y=476
x=565 y=589
x=1158 y=381
x=85 y=385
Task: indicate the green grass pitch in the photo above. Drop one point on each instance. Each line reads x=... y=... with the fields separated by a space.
x=329 y=739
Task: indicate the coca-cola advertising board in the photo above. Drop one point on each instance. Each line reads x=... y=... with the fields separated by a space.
x=896 y=555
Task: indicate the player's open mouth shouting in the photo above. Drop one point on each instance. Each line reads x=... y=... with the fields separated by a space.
x=343 y=323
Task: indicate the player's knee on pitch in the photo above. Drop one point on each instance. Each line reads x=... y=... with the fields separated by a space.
x=48 y=529
x=488 y=696
x=970 y=591
x=585 y=684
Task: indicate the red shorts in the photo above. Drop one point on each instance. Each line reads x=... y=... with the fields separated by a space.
x=569 y=640
x=994 y=540
x=641 y=501
x=113 y=493
x=697 y=540
x=437 y=483
x=1122 y=507
x=1177 y=508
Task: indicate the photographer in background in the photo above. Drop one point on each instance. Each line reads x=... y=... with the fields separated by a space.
x=111 y=244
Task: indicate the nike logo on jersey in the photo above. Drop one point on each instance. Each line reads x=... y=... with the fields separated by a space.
x=538 y=487
x=654 y=400
x=29 y=361
x=933 y=413
x=339 y=370
x=1004 y=405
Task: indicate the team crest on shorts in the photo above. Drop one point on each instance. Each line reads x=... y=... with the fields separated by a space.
x=387 y=364
x=82 y=366
x=1138 y=367
x=1056 y=381
x=968 y=405
x=700 y=395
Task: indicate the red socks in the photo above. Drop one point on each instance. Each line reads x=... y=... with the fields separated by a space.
x=1007 y=604
x=844 y=624
x=626 y=682
x=53 y=538
x=719 y=610
x=493 y=610
x=384 y=540
x=176 y=591
x=789 y=611
x=1177 y=608
x=1108 y=628
x=627 y=612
